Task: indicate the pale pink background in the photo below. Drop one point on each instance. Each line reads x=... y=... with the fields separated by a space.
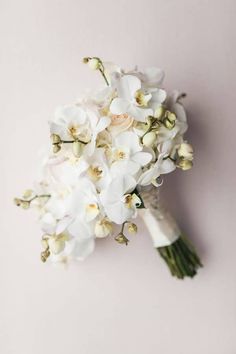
x=121 y=300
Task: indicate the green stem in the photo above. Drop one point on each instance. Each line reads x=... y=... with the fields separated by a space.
x=181 y=258
x=39 y=196
x=69 y=142
x=168 y=157
x=103 y=74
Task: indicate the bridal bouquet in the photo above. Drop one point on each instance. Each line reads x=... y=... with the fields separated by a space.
x=104 y=167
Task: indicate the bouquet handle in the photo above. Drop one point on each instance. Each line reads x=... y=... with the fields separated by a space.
x=177 y=252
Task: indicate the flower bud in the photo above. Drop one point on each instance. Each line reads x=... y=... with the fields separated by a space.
x=94 y=63
x=186 y=151
x=25 y=204
x=185 y=164
x=103 y=228
x=44 y=255
x=149 y=139
x=17 y=201
x=132 y=228
x=120 y=238
x=55 y=139
x=168 y=124
x=169 y=120
x=159 y=112
x=77 y=148
x=171 y=116
x=27 y=194
x=56 y=148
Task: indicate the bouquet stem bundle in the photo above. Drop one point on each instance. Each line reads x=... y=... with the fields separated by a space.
x=181 y=258
x=177 y=252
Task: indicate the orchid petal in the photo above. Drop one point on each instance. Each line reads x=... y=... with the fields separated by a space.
x=120 y=168
x=119 y=106
x=142 y=158
x=140 y=114
x=119 y=213
x=129 y=140
x=71 y=112
x=159 y=96
x=127 y=87
x=153 y=76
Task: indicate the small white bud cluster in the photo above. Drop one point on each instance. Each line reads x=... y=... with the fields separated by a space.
x=185 y=153
x=94 y=63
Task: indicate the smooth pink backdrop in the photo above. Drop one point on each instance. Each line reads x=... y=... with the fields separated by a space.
x=121 y=300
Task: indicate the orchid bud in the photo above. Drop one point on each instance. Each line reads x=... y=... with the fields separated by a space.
x=25 y=204
x=132 y=228
x=185 y=164
x=44 y=255
x=103 y=228
x=77 y=148
x=186 y=151
x=27 y=194
x=120 y=238
x=149 y=139
x=169 y=120
x=17 y=201
x=94 y=63
x=159 y=112
x=55 y=139
x=56 y=148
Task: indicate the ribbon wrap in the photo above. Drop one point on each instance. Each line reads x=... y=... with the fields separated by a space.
x=162 y=227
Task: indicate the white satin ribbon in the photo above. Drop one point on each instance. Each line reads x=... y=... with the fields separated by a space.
x=163 y=230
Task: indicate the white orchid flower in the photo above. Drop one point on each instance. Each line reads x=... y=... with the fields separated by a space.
x=117 y=200
x=85 y=204
x=65 y=169
x=76 y=215
x=111 y=70
x=85 y=208
x=174 y=105
x=103 y=227
x=163 y=165
x=151 y=77
x=55 y=215
x=66 y=247
x=82 y=240
x=158 y=97
x=98 y=169
x=98 y=100
x=97 y=126
x=131 y=99
x=127 y=154
x=71 y=122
